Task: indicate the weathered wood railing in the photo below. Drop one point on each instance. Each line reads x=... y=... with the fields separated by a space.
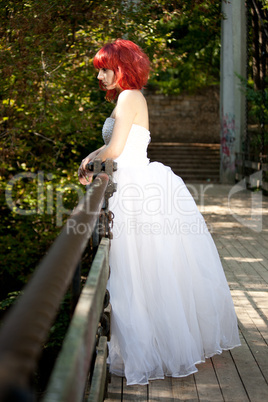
x=255 y=173
x=26 y=327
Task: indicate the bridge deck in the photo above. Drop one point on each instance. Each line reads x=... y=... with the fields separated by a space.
x=242 y=373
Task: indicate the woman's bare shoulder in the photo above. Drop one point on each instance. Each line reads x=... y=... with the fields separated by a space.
x=130 y=95
x=131 y=102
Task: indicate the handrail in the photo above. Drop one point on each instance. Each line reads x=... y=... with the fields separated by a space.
x=26 y=327
x=68 y=380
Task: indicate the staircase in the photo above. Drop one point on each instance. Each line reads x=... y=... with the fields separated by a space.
x=192 y=162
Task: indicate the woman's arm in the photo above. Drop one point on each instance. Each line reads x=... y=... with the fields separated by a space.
x=93 y=155
x=126 y=110
x=83 y=174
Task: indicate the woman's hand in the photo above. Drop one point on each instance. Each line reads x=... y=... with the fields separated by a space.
x=85 y=180
x=84 y=176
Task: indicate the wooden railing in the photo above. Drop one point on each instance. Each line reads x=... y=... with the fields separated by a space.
x=255 y=173
x=26 y=327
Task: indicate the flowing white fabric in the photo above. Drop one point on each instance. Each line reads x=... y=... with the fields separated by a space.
x=171 y=304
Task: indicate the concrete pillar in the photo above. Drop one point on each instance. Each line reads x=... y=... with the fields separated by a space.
x=232 y=99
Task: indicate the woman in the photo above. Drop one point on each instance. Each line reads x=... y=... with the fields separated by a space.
x=171 y=304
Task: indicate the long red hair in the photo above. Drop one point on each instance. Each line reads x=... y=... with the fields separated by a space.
x=129 y=63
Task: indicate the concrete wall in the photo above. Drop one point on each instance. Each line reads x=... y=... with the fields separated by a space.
x=185 y=118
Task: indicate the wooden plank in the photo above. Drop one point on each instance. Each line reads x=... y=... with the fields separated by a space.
x=252 y=321
x=254 y=338
x=230 y=383
x=252 y=285
x=262 y=238
x=234 y=254
x=244 y=255
x=184 y=389
x=251 y=307
x=251 y=275
x=254 y=262
x=160 y=390
x=69 y=376
x=115 y=389
x=232 y=268
x=97 y=389
x=249 y=371
x=134 y=392
x=207 y=383
x=256 y=252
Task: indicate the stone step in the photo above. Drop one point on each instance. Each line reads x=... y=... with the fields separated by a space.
x=183 y=152
x=200 y=148
x=184 y=145
x=185 y=155
x=178 y=158
x=192 y=162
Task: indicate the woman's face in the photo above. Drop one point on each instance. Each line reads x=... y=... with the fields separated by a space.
x=106 y=76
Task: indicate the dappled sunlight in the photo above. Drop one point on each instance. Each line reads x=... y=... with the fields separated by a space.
x=241 y=259
x=229 y=213
x=215 y=209
x=240 y=226
x=225 y=224
x=251 y=306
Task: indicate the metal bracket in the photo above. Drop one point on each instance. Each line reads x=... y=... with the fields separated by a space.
x=106 y=216
x=109 y=166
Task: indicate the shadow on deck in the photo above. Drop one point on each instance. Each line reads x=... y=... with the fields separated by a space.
x=239 y=225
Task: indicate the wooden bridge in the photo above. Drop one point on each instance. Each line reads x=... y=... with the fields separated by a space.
x=238 y=220
x=240 y=229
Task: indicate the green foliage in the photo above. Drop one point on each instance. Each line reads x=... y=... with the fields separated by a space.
x=10 y=299
x=60 y=326
x=258 y=101
x=28 y=228
x=193 y=36
x=265 y=4
x=257 y=112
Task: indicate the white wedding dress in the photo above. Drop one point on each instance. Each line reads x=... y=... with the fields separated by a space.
x=171 y=304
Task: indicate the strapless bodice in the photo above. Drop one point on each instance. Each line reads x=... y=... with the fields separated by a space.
x=135 y=150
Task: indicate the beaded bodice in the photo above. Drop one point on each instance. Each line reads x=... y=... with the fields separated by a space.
x=107 y=130
x=135 y=151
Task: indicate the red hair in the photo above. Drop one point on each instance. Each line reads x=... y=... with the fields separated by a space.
x=129 y=63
